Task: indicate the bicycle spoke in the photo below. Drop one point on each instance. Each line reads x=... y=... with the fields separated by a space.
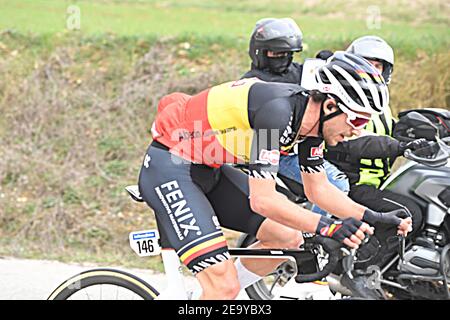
x=87 y=295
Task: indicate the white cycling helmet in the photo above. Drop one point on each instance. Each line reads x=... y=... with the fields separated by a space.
x=354 y=81
x=375 y=48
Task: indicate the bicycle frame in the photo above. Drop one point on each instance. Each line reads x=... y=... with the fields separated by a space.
x=176 y=289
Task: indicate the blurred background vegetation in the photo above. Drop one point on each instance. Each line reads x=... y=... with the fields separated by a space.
x=76 y=105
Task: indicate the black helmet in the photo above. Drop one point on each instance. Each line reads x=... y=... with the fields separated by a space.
x=277 y=35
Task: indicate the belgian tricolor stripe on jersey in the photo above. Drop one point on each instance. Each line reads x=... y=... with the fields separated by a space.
x=201 y=247
x=211 y=127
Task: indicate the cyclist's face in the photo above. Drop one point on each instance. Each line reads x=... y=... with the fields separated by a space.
x=336 y=129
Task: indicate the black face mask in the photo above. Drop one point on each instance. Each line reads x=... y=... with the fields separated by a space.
x=279 y=65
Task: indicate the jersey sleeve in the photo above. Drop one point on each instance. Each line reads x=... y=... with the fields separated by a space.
x=269 y=136
x=310 y=155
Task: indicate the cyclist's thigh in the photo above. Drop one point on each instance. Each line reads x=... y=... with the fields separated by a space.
x=231 y=204
x=184 y=214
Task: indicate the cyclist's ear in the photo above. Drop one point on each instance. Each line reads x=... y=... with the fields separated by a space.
x=329 y=106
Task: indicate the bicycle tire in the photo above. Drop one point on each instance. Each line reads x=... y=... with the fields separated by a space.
x=103 y=276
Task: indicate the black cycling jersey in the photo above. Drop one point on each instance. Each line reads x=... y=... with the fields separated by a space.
x=292 y=75
x=281 y=107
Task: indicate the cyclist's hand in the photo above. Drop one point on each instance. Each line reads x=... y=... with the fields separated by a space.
x=350 y=231
x=400 y=218
x=405 y=227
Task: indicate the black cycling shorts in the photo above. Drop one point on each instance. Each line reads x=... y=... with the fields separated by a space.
x=192 y=202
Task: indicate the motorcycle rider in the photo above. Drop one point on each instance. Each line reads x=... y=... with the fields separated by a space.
x=272 y=45
x=367 y=160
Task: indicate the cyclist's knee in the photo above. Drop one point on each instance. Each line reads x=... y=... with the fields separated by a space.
x=291 y=239
x=219 y=281
x=279 y=236
x=295 y=241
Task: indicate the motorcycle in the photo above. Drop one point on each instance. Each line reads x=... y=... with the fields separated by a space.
x=421 y=267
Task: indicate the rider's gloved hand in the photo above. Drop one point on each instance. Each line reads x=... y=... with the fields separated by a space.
x=399 y=218
x=349 y=231
x=412 y=145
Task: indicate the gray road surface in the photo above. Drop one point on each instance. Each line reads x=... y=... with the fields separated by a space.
x=36 y=279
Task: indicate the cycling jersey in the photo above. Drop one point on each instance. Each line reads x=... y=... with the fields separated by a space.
x=292 y=75
x=184 y=176
x=247 y=121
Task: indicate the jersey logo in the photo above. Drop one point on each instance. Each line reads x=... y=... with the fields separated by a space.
x=269 y=156
x=242 y=82
x=147 y=161
x=286 y=137
x=317 y=151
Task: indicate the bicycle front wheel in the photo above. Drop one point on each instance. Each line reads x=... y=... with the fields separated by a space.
x=104 y=284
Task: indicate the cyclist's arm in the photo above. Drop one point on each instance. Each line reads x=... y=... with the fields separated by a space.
x=368 y=147
x=321 y=192
x=263 y=167
x=265 y=200
x=316 y=185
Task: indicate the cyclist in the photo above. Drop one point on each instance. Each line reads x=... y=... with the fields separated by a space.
x=367 y=160
x=185 y=179
x=271 y=48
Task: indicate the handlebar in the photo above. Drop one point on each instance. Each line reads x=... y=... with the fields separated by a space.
x=332 y=247
x=439 y=149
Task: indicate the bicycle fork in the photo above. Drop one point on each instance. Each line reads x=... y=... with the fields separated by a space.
x=176 y=289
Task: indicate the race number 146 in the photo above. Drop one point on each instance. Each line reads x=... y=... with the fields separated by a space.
x=145 y=243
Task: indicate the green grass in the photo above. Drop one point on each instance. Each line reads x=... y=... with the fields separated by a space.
x=325 y=24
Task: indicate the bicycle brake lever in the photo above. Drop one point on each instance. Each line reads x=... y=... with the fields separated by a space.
x=347 y=262
x=350 y=258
